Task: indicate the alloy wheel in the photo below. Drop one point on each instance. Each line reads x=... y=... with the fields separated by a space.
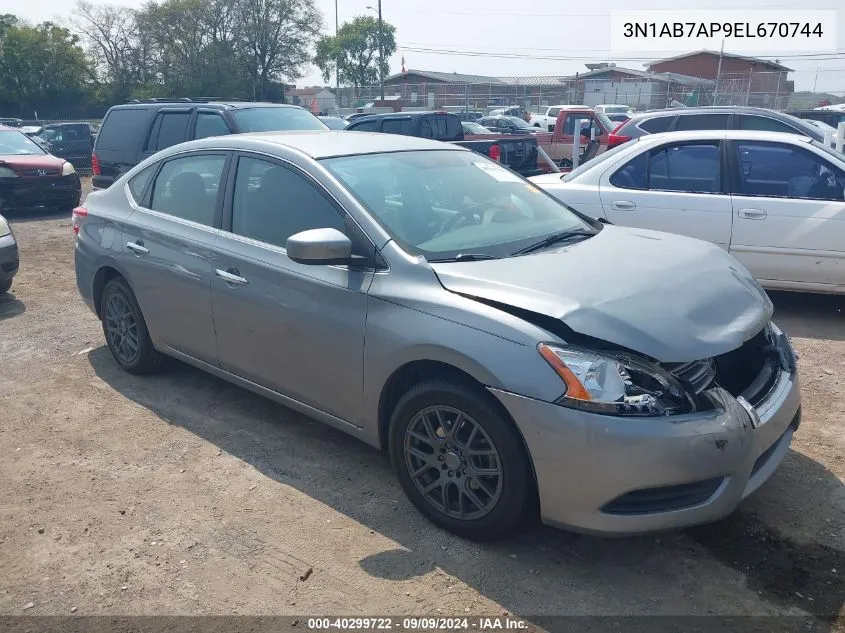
x=121 y=328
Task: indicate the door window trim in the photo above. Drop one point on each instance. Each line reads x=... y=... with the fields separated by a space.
x=228 y=203
x=725 y=187
x=144 y=205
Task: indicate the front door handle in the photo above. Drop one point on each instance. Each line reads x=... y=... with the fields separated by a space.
x=232 y=276
x=137 y=247
x=752 y=214
x=622 y=205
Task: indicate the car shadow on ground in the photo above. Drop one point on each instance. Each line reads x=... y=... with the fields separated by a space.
x=36 y=215
x=808 y=315
x=10 y=307
x=556 y=571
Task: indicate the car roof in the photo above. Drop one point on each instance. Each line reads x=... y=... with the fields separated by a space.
x=384 y=115
x=706 y=110
x=222 y=105
x=323 y=143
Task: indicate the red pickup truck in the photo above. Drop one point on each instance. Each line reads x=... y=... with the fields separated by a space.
x=558 y=143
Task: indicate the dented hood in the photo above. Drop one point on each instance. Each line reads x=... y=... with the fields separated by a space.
x=670 y=297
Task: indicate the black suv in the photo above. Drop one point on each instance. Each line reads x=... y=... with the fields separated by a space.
x=133 y=131
x=711 y=118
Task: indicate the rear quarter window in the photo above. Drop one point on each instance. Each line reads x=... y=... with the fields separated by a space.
x=120 y=128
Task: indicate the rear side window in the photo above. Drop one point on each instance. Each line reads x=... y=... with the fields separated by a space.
x=702 y=122
x=764 y=124
x=440 y=127
x=398 y=126
x=657 y=124
x=633 y=174
x=187 y=187
x=172 y=129
x=364 y=126
x=210 y=124
x=119 y=128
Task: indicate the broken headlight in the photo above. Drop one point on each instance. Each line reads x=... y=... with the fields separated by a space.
x=615 y=384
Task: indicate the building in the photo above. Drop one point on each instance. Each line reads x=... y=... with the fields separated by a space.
x=641 y=90
x=430 y=89
x=738 y=80
x=316 y=98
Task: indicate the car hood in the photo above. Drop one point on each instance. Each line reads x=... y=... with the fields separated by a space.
x=669 y=297
x=43 y=161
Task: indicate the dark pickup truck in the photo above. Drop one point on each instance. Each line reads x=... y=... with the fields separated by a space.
x=519 y=153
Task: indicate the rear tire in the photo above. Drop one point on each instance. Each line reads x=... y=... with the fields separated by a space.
x=5 y=286
x=126 y=331
x=460 y=460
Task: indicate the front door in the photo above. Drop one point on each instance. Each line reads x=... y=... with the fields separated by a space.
x=677 y=188
x=293 y=328
x=789 y=213
x=167 y=253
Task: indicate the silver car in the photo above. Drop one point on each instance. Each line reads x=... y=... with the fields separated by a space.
x=509 y=353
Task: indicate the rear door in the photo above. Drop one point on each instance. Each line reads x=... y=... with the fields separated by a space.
x=167 y=251
x=789 y=212
x=676 y=187
x=169 y=128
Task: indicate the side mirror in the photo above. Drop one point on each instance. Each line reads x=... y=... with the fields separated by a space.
x=319 y=247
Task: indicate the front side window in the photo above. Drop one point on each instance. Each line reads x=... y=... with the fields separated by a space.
x=785 y=171
x=187 y=188
x=444 y=203
x=272 y=202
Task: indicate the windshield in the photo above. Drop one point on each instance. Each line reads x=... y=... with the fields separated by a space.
x=444 y=203
x=475 y=128
x=13 y=143
x=520 y=123
x=273 y=119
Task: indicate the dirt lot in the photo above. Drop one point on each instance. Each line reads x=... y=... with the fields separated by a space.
x=181 y=494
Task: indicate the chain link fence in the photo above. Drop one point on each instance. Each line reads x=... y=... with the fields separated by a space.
x=776 y=90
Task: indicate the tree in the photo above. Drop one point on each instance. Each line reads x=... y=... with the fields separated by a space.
x=40 y=67
x=354 y=52
x=276 y=37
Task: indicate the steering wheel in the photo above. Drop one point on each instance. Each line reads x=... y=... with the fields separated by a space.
x=473 y=214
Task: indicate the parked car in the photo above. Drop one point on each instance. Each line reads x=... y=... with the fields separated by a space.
x=356 y=115
x=9 y=259
x=517 y=111
x=11 y=122
x=334 y=122
x=503 y=124
x=711 y=118
x=33 y=131
x=473 y=129
x=547 y=119
x=830 y=117
x=775 y=201
x=593 y=127
x=509 y=353
x=612 y=108
x=134 y=131
x=838 y=107
x=31 y=179
x=519 y=154
x=468 y=115
x=71 y=140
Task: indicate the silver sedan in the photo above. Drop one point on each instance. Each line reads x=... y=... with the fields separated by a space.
x=509 y=353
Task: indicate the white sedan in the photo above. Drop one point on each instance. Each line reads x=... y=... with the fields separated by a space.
x=775 y=201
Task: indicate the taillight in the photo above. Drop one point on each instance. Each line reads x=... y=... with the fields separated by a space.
x=78 y=214
x=495 y=152
x=95 y=165
x=616 y=139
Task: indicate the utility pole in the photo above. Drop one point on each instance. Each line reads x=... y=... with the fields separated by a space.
x=337 y=62
x=380 y=52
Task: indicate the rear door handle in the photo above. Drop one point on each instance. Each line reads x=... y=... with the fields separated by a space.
x=231 y=276
x=137 y=247
x=752 y=214
x=622 y=205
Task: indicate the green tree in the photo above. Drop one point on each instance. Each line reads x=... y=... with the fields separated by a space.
x=40 y=67
x=354 y=52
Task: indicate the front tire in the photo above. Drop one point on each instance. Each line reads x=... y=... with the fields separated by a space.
x=5 y=286
x=126 y=331
x=460 y=460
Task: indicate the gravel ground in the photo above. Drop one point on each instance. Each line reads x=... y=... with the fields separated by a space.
x=181 y=494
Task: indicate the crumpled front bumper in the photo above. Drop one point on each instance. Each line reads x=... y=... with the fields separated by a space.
x=593 y=470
